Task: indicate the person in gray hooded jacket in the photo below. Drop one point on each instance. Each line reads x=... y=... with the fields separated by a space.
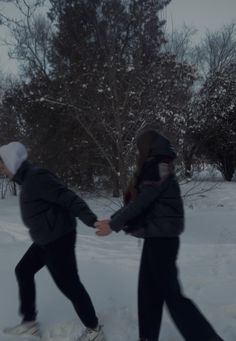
x=49 y=210
x=153 y=210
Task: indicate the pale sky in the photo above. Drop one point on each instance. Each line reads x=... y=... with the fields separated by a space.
x=202 y=14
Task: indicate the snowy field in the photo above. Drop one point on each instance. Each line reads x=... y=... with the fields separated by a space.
x=109 y=267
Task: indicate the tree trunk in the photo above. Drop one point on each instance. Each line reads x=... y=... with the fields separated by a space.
x=14 y=189
x=115 y=185
x=188 y=166
x=188 y=154
x=227 y=168
x=119 y=180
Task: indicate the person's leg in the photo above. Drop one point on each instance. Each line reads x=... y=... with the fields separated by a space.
x=189 y=320
x=61 y=263
x=150 y=294
x=25 y=270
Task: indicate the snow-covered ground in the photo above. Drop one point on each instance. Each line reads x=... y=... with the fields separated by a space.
x=109 y=269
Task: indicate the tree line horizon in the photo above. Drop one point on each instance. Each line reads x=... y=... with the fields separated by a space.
x=93 y=74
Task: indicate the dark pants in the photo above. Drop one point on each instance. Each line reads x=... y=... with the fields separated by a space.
x=158 y=283
x=59 y=258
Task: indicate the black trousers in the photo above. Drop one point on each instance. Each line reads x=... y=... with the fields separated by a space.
x=158 y=283
x=59 y=257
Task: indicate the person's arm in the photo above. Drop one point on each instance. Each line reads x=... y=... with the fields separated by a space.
x=49 y=188
x=148 y=194
x=154 y=181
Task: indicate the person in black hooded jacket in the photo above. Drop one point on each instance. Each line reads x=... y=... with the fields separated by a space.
x=154 y=211
x=49 y=210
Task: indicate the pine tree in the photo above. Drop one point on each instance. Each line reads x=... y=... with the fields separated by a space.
x=217 y=120
x=107 y=78
x=107 y=59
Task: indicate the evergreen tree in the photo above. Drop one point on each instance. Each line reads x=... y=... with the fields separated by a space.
x=107 y=59
x=217 y=121
x=106 y=79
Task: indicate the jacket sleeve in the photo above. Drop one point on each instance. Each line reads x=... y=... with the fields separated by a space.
x=49 y=188
x=147 y=195
x=154 y=182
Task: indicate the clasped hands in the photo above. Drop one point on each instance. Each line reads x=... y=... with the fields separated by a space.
x=103 y=227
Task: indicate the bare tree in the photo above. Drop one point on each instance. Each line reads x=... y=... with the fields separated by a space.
x=30 y=34
x=180 y=43
x=218 y=50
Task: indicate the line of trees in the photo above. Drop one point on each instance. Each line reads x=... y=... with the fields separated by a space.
x=94 y=73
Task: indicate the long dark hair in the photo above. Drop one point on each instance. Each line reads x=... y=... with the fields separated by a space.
x=144 y=142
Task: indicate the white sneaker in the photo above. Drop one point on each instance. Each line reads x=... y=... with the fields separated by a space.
x=93 y=334
x=31 y=329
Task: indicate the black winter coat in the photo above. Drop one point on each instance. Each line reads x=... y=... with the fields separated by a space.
x=158 y=209
x=48 y=207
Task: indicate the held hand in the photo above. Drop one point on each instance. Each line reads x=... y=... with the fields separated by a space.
x=103 y=228
x=100 y=223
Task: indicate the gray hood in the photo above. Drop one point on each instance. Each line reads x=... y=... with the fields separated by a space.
x=13 y=155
